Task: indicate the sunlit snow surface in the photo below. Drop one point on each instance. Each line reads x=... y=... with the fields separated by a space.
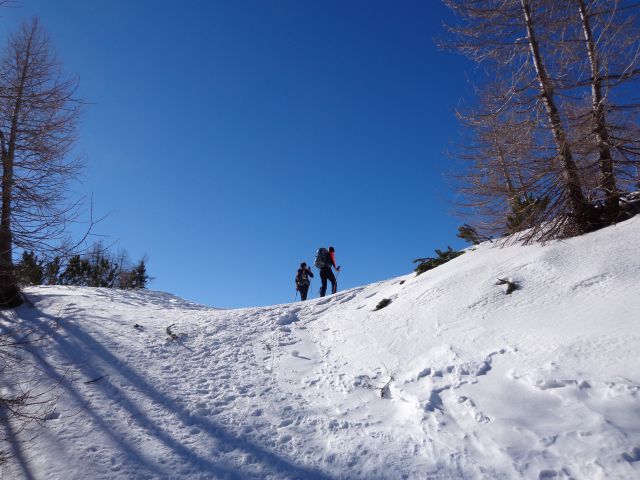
x=543 y=383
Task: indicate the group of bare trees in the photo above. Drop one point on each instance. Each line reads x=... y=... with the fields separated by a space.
x=555 y=138
x=38 y=119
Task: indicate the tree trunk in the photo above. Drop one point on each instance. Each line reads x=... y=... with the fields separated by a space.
x=571 y=177
x=608 y=181
x=9 y=292
x=10 y=296
x=505 y=170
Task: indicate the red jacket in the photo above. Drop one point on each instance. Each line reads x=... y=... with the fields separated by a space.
x=333 y=259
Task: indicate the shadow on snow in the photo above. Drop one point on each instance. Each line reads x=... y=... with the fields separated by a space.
x=69 y=338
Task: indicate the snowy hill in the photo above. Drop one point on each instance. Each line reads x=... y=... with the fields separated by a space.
x=453 y=380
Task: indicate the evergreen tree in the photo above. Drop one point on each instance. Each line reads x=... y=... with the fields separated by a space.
x=96 y=268
x=52 y=271
x=29 y=271
x=138 y=276
x=103 y=273
x=526 y=212
x=428 y=263
x=77 y=272
x=469 y=234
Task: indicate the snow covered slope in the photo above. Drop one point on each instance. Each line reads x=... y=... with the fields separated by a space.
x=454 y=379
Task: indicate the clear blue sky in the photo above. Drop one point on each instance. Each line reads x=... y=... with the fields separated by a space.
x=228 y=140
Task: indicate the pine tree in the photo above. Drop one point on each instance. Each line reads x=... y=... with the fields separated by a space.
x=138 y=276
x=526 y=211
x=29 y=271
x=103 y=272
x=52 y=271
x=429 y=263
x=77 y=272
x=469 y=234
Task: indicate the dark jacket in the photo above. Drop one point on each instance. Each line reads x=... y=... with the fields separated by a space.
x=299 y=274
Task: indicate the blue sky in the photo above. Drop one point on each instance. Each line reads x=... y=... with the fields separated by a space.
x=228 y=140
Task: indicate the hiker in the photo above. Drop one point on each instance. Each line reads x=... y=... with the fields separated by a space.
x=325 y=259
x=302 y=280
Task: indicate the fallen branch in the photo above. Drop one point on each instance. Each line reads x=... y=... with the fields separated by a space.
x=384 y=391
x=383 y=303
x=95 y=380
x=172 y=335
x=511 y=285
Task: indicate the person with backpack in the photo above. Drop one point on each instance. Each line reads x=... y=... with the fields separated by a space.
x=302 y=280
x=325 y=259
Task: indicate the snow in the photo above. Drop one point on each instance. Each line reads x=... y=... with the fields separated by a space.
x=453 y=379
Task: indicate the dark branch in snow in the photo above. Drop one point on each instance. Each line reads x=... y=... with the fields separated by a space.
x=172 y=336
x=511 y=285
x=95 y=380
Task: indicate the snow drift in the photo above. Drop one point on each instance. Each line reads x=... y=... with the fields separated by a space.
x=453 y=379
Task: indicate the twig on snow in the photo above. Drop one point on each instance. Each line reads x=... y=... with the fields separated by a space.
x=172 y=336
x=512 y=286
x=95 y=380
x=385 y=392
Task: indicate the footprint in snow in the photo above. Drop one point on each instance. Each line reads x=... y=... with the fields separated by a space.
x=633 y=456
x=348 y=298
x=52 y=414
x=288 y=319
x=296 y=354
x=552 y=383
x=592 y=282
x=546 y=474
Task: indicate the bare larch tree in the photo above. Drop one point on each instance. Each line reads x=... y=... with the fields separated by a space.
x=38 y=119
x=610 y=47
x=567 y=71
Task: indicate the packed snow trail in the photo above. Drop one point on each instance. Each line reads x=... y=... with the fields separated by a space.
x=453 y=379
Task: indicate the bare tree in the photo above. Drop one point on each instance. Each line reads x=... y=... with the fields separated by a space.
x=599 y=115
x=571 y=177
x=496 y=166
x=506 y=34
x=598 y=55
x=559 y=63
x=608 y=50
x=38 y=119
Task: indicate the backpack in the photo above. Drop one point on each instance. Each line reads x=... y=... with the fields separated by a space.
x=301 y=277
x=323 y=258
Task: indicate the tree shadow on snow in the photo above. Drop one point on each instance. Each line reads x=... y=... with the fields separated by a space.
x=16 y=450
x=74 y=345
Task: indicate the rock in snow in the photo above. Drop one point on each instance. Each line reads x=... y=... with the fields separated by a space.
x=542 y=383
